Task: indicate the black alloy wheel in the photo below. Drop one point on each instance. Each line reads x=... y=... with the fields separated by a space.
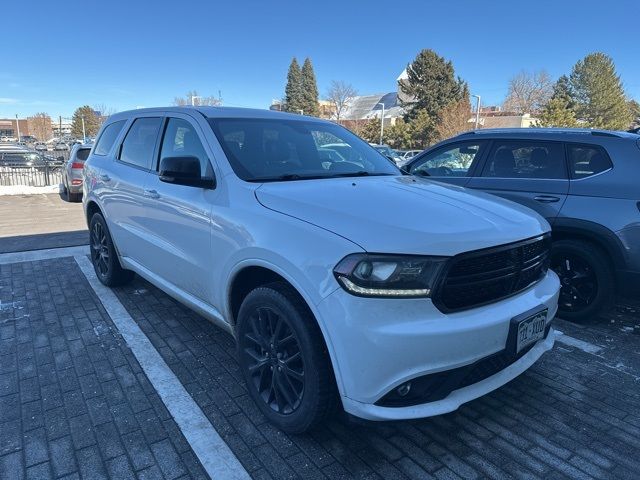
x=284 y=359
x=587 y=283
x=103 y=254
x=274 y=361
x=100 y=249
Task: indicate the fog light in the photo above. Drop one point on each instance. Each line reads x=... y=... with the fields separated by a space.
x=404 y=389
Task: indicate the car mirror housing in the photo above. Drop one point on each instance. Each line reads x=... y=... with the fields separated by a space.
x=184 y=171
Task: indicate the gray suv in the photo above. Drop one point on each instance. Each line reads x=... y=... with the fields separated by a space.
x=586 y=183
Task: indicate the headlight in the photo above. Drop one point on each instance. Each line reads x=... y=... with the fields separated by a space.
x=395 y=276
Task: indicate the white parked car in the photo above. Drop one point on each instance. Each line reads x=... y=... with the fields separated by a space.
x=347 y=280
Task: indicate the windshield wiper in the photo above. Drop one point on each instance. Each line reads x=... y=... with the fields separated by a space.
x=360 y=173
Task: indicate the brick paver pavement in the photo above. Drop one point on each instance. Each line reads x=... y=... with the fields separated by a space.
x=75 y=403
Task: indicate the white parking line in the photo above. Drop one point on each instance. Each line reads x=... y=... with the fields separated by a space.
x=214 y=454
x=32 y=256
x=574 y=342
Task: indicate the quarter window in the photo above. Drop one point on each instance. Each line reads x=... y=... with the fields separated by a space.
x=108 y=138
x=181 y=140
x=139 y=144
x=450 y=161
x=523 y=159
x=587 y=160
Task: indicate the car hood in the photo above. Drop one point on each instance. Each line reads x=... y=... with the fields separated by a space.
x=403 y=214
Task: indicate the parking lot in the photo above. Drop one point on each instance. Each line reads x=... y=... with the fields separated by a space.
x=135 y=385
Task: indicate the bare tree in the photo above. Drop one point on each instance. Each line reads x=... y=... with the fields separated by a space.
x=192 y=98
x=454 y=119
x=40 y=126
x=528 y=92
x=339 y=95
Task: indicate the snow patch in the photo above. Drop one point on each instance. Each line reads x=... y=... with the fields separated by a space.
x=27 y=190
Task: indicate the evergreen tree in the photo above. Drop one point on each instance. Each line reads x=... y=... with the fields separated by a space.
x=598 y=93
x=293 y=97
x=634 y=107
x=557 y=113
x=91 y=122
x=431 y=85
x=309 y=90
x=562 y=90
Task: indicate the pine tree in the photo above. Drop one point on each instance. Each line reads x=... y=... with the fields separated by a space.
x=557 y=113
x=598 y=93
x=309 y=90
x=431 y=85
x=293 y=98
x=562 y=90
x=91 y=122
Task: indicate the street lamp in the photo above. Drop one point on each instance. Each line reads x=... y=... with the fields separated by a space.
x=381 y=122
x=193 y=97
x=84 y=134
x=18 y=126
x=477 y=110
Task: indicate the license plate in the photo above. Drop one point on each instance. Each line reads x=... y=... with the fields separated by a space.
x=530 y=330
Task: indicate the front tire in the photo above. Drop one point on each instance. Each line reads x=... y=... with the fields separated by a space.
x=104 y=256
x=586 y=278
x=283 y=358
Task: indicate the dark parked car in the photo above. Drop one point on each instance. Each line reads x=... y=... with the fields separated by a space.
x=584 y=182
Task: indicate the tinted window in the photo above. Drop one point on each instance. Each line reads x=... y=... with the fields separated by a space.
x=83 y=153
x=138 y=145
x=525 y=159
x=275 y=149
x=108 y=138
x=181 y=140
x=587 y=160
x=449 y=161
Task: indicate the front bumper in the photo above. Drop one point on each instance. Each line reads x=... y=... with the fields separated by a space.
x=378 y=344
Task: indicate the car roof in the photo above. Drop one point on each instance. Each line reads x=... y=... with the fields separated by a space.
x=219 y=112
x=576 y=134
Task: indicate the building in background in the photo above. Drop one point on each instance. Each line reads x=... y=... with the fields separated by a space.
x=9 y=127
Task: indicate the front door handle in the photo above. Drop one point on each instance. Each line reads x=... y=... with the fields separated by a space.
x=151 y=194
x=547 y=198
x=105 y=178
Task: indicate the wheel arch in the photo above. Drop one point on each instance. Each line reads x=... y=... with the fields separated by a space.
x=602 y=237
x=252 y=274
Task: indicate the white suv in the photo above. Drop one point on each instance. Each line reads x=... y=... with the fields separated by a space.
x=338 y=276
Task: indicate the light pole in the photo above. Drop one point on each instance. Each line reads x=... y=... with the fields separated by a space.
x=193 y=97
x=477 y=110
x=301 y=112
x=84 y=133
x=381 y=122
x=18 y=126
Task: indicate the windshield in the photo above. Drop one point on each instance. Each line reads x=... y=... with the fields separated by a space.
x=275 y=149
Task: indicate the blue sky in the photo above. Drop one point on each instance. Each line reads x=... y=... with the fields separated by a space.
x=125 y=54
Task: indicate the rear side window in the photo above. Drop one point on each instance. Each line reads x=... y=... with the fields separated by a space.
x=108 y=138
x=525 y=159
x=83 y=154
x=140 y=142
x=587 y=160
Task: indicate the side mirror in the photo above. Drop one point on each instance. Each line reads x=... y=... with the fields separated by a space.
x=184 y=171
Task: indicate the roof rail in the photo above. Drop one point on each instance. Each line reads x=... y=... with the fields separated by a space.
x=600 y=133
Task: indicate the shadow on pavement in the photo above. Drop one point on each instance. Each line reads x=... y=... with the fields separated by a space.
x=24 y=243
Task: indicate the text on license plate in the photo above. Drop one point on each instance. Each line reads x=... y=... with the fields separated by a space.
x=531 y=330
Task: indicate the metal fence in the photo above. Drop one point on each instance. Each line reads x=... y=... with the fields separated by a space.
x=34 y=169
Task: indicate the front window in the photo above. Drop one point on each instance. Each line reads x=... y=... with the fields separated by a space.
x=274 y=149
x=449 y=161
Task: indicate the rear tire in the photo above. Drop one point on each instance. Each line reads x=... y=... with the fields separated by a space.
x=104 y=255
x=586 y=277
x=284 y=360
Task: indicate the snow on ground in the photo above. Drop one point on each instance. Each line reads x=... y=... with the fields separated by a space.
x=27 y=190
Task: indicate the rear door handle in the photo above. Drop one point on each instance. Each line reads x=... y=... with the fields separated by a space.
x=105 y=178
x=547 y=198
x=151 y=194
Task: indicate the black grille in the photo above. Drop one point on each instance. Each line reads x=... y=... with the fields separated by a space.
x=484 y=276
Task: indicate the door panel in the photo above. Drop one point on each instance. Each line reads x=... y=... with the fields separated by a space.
x=178 y=217
x=531 y=173
x=125 y=181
